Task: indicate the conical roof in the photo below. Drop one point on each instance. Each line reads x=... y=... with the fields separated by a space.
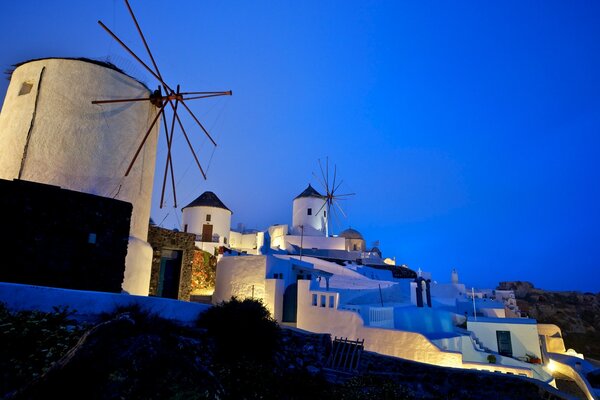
x=309 y=192
x=207 y=199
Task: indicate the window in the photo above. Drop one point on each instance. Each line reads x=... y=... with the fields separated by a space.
x=314 y=300
x=185 y=228
x=92 y=238
x=208 y=217
x=309 y=211
x=224 y=239
x=324 y=213
x=331 y=301
x=25 y=88
x=354 y=246
x=323 y=300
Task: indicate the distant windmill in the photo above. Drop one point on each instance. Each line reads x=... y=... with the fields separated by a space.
x=331 y=197
x=171 y=97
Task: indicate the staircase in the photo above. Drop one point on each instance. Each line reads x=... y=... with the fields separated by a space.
x=478 y=345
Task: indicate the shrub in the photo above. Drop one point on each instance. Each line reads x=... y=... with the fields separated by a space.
x=32 y=341
x=241 y=329
x=491 y=359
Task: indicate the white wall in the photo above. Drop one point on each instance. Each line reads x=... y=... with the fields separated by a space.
x=277 y=234
x=81 y=146
x=239 y=276
x=314 y=225
x=523 y=336
x=220 y=219
x=554 y=339
x=89 y=305
x=319 y=242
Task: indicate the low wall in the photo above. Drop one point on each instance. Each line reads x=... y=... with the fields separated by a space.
x=88 y=305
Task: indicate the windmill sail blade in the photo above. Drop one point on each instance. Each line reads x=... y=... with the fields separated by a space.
x=121 y=100
x=344 y=195
x=198 y=122
x=162 y=193
x=162 y=109
x=319 y=180
x=143 y=39
x=324 y=204
x=227 y=93
x=169 y=151
x=207 y=96
x=327 y=176
x=334 y=176
x=336 y=218
x=340 y=208
x=169 y=162
x=324 y=178
x=190 y=144
x=134 y=55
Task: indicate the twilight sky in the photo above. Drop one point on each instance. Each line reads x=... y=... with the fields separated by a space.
x=469 y=132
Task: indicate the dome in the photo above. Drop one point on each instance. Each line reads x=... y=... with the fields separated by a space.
x=208 y=199
x=351 y=234
x=309 y=192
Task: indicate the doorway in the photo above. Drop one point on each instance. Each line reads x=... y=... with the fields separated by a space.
x=170 y=270
x=207 y=232
x=290 y=303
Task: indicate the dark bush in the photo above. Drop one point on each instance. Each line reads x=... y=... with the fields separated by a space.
x=242 y=330
x=32 y=341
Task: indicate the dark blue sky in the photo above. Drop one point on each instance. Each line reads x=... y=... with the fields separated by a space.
x=469 y=131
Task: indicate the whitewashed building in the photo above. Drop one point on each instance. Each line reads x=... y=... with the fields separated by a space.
x=50 y=132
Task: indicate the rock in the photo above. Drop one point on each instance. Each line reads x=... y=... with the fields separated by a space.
x=311 y=369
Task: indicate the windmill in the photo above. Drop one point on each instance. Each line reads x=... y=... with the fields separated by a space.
x=172 y=98
x=332 y=196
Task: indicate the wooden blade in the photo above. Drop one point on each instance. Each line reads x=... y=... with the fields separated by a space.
x=227 y=93
x=327 y=169
x=334 y=176
x=337 y=187
x=342 y=195
x=324 y=179
x=206 y=96
x=324 y=204
x=121 y=100
x=342 y=211
x=162 y=109
x=318 y=180
x=134 y=55
x=198 y=122
x=143 y=38
x=162 y=193
x=190 y=145
x=337 y=219
x=170 y=144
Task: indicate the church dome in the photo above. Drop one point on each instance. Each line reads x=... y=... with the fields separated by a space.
x=351 y=234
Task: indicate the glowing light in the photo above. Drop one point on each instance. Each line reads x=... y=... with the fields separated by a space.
x=551 y=366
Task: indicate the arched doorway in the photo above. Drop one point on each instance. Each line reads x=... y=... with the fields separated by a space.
x=290 y=303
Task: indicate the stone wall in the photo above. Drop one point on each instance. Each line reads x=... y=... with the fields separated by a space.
x=161 y=239
x=62 y=238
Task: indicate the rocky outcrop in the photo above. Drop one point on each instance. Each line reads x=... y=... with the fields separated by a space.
x=576 y=313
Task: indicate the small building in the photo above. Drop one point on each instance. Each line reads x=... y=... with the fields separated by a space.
x=210 y=220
